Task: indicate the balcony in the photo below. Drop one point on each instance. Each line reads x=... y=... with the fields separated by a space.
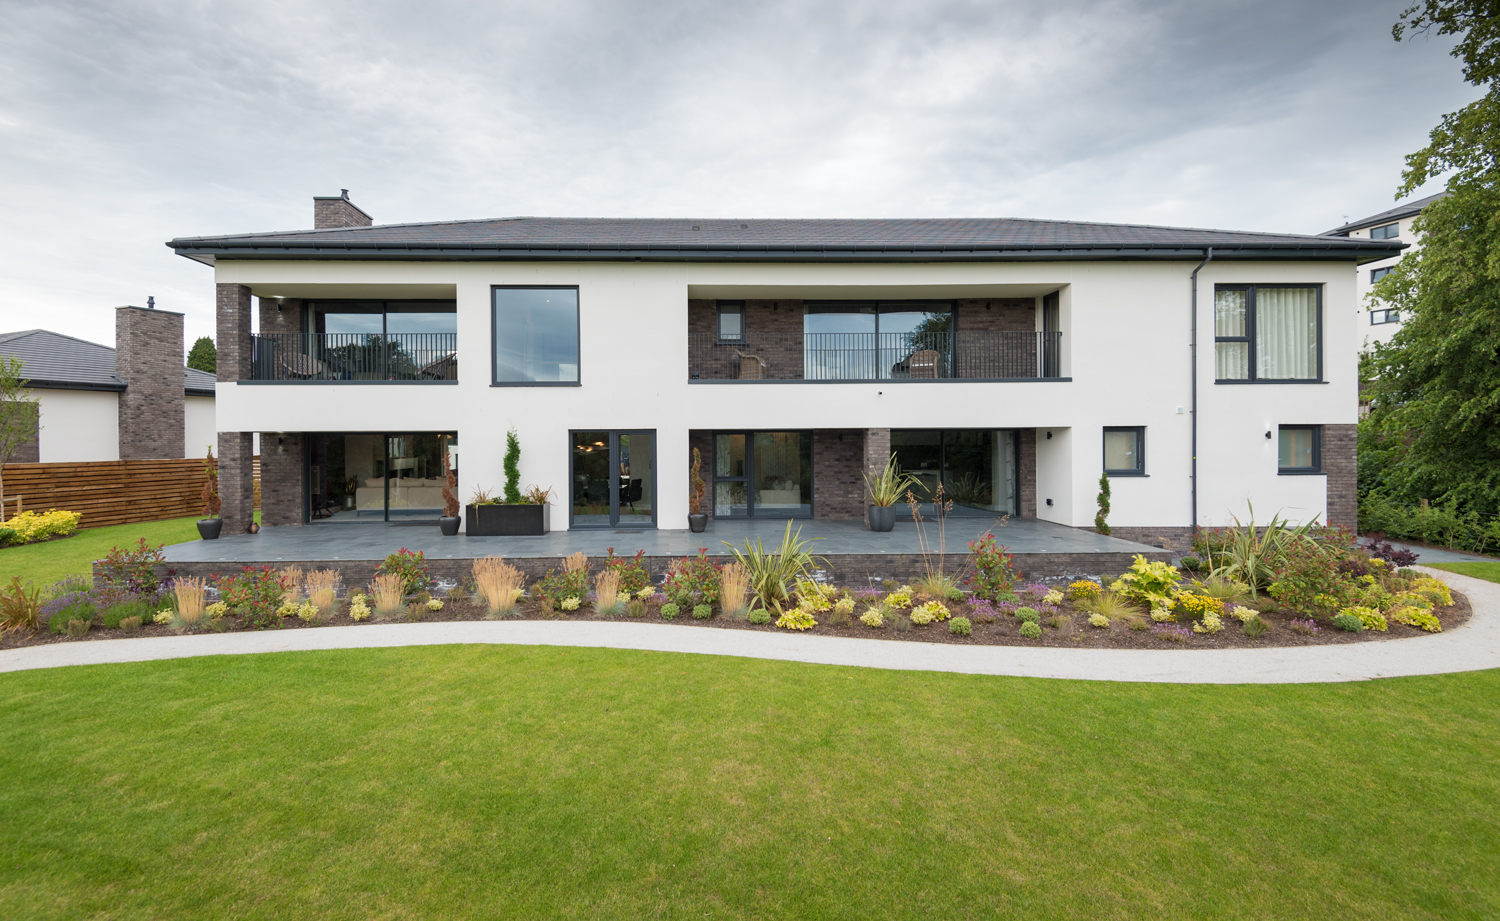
x=304 y=357
x=845 y=357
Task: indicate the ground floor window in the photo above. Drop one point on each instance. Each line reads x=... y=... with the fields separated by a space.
x=762 y=475
x=613 y=479
x=1125 y=450
x=377 y=476
x=977 y=467
x=1299 y=449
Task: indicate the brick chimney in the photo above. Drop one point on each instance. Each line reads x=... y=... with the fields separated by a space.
x=148 y=358
x=338 y=211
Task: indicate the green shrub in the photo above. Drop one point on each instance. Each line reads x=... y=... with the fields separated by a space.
x=1348 y=622
x=1370 y=618
x=1309 y=582
x=1255 y=628
x=960 y=626
x=112 y=615
x=1031 y=630
x=759 y=616
x=132 y=570
x=20 y=606
x=703 y=611
x=130 y=624
x=254 y=594
x=1151 y=584
x=9 y=536
x=1029 y=615
x=77 y=628
x=411 y=567
x=1416 y=617
x=636 y=608
x=691 y=580
x=1190 y=563
x=993 y=571
x=670 y=611
x=633 y=573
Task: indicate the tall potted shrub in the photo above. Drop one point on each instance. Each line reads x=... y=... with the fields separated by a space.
x=450 y=520
x=697 y=520
x=210 y=524
x=514 y=513
x=885 y=490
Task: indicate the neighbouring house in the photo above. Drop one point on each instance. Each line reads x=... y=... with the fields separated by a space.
x=136 y=401
x=1379 y=321
x=1010 y=361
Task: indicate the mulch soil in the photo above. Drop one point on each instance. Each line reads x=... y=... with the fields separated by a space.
x=1072 y=632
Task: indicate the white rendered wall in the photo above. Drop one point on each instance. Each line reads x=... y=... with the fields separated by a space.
x=78 y=425
x=198 y=429
x=1126 y=347
x=1370 y=334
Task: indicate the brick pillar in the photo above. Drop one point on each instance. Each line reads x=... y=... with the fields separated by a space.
x=232 y=304
x=1026 y=476
x=236 y=481
x=1339 y=465
x=148 y=358
x=281 y=481
x=838 y=488
x=877 y=453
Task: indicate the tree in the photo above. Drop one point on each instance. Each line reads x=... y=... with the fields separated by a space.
x=1436 y=396
x=203 y=357
x=1101 y=518
x=19 y=415
x=512 y=468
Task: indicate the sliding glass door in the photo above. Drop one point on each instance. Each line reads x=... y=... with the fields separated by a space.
x=613 y=479
x=377 y=476
x=762 y=474
x=976 y=467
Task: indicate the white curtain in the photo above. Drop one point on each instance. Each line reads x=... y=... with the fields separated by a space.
x=1286 y=333
x=1231 y=359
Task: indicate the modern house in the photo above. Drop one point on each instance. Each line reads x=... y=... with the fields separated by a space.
x=135 y=401
x=1381 y=322
x=1010 y=361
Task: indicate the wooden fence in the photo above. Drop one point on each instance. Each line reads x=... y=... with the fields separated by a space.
x=109 y=492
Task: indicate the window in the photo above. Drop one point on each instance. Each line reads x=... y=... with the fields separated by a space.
x=762 y=475
x=1386 y=231
x=1377 y=274
x=1377 y=317
x=536 y=335
x=1268 y=333
x=1125 y=450
x=1300 y=449
x=731 y=321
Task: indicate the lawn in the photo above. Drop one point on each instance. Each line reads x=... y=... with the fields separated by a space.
x=1487 y=571
x=536 y=782
x=49 y=561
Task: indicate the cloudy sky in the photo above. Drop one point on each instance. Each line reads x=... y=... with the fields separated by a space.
x=124 y=124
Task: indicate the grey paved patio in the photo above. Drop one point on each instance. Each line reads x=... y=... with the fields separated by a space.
x=376 y=541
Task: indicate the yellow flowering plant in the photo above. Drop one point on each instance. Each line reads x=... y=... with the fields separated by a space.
x=1151 y=583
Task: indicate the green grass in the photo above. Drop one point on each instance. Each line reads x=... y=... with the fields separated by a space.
x=49 y=561
x=536 y=782
x=1487 y=571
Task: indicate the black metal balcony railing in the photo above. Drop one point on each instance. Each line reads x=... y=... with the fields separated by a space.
x=354 y=357
x=976 y=355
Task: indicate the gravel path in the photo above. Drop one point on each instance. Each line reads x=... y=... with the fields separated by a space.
x=1474 y=646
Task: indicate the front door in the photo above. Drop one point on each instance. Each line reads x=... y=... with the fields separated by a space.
x=613 y=479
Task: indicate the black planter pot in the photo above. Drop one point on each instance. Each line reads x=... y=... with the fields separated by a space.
x=209 y=528
x=882 y=517
x=449 y=526
x=696 y=523
x=507 y=520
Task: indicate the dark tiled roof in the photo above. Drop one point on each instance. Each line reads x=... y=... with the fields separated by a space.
x=1404 y=210
x=54 y=361
x=767 y=239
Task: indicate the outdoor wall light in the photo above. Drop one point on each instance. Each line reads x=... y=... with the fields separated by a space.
x=1049 y=501
x=1049 y=438
x=1268 y=435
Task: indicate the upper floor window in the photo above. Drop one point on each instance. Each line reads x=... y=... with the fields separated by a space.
x=1300 y=449
x=1268 y=333
x=1386 y=231
x=1377 y=274
x=1125 y=450
x=536 y=335
x=1377 y=317
x=731 y=321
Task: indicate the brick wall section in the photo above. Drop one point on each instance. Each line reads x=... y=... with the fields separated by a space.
x=838 y=462
x=779 y=320
x=877 y=455
x=148 y=357
x=1339 y=465
x=281 y=485
x=1026 y=476
x=1008 y=314
x=286 y=320
x=236 y=481
x=854 y=570
x=28 y=452
x=1176 y=539
x=337 y=211
x=232 y=306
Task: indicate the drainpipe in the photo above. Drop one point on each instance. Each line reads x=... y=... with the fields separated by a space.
x=1208 y=256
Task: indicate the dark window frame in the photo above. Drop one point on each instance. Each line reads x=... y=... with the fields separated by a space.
x=1249 y=337
x=577 y=332
x=1385 y=315
x=1391 y=231
x=721 y=308
x=1383 y=271
x=614 y=492
x=1317 y=451
x=1140 y=450
x=749 y=478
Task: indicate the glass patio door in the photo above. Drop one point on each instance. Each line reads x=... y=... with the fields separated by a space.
x=613 y=479
x=764 y=474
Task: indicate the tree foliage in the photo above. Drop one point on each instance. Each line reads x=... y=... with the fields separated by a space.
x=19 y=414
x=512 y=468
x=1436 y=401
x=203 y=357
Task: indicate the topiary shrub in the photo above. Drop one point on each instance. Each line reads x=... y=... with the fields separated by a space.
x=1348 y=622
x=670 y=610
x=1031 y=630
x=759 y=616
x=960 y=626
x=702 y=611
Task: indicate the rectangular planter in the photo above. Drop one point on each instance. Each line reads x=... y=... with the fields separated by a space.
x=507 y=520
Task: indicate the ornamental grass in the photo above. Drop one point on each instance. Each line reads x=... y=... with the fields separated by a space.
x=191 y=614
x=499 y=584
x=322 y=589
x=734 y=591
x=390 y=600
